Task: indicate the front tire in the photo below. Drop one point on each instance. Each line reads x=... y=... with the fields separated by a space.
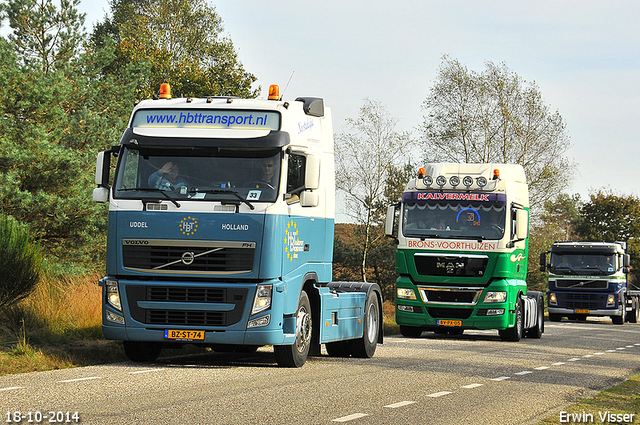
x=619 y=320
x=538 y=330
x=516 y=332
x=296 y=355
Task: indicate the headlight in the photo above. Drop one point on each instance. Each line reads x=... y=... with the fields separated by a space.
x=405 y=294
x=262 y=300
x=495 y=297
x=611 y=300
x=113 y=295
x=552 y=299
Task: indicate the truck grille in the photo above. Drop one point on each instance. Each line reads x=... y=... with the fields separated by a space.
x=185 y=295
x=582 y=301
x=187 y=257
x=445 y=265
x=449 y=295
x=581 y=284
x=449 y=313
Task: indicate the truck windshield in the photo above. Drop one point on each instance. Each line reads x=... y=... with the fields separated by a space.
x=483 y=218
x=198 y=174
x=591 y=264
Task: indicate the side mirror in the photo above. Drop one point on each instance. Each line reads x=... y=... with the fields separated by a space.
x=309 y=199
x=103 y=165
x=312 y=172
x=522 y=224
x=390 y=220
x=543 y=261
x=626 y=260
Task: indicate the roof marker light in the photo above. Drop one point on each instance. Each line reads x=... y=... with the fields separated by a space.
x=274 y=92
x=496 y=174
x=165 y=91
x=421 y=172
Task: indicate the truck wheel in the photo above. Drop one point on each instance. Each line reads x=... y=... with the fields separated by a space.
x=635 y=312
x=410 y=331
x=139 y=352
x=619 y=320
x=295 y=355
x=516 y=332
x=365 y=347
x=538 y=329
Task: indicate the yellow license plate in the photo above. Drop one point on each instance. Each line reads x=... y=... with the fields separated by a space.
x=581 y=311
x=449 y=322
x=184 y=335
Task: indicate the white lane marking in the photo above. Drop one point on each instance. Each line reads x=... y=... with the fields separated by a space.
x=636 y=344
x=502 y=378
x=629 y=346
x=524 y=372
x=558 y=363
x=350 y=417
x=399 y=404
x=611 y=351
x=598 y=354
x=79 y=379
x=144 y=371
x=621 y=348
x=587 y=355
x=575 y=359
x=541 y=368
x=472 y=386
x=440 y=394
x=11 y=388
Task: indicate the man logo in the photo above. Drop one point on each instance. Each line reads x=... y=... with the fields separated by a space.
x=188 y=226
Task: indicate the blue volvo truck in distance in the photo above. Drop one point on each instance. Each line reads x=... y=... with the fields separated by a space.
x=220 y=234
x=590 y=279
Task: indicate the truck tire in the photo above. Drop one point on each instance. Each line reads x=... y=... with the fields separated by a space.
x=635 y=312
x=295 y=355
x=365 y=347
x=619 y=320
x=142 y=352
x=517 y=331
x=538 y=329
x=410 y=331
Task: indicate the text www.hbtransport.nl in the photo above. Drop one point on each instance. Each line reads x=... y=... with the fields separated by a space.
x=208 y=119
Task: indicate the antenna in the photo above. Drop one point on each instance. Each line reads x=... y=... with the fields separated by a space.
x=285 y=87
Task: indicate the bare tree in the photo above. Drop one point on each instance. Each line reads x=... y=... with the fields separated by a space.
x=496 y=116
x=365 y=155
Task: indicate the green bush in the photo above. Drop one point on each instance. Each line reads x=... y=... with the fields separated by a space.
x=20 y=262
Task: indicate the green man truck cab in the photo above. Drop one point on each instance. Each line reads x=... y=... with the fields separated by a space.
x=462 y=242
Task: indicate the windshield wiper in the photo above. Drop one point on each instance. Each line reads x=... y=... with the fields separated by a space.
x=226 y=192
x=151 y=189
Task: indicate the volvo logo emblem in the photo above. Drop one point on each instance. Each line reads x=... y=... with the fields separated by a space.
x=187 y=258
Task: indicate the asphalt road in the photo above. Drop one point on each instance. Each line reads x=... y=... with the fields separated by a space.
x=469 y=379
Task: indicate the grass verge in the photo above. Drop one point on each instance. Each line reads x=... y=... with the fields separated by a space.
x=623 y=399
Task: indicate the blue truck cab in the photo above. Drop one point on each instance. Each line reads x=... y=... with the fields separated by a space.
x=590 y=279
x=221 y=221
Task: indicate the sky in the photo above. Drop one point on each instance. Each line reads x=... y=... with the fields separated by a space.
x=584 y=56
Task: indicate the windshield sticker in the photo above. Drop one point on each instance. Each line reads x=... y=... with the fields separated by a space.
x=253 y=195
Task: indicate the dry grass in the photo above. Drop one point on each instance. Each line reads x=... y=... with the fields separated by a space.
x=57 y=326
